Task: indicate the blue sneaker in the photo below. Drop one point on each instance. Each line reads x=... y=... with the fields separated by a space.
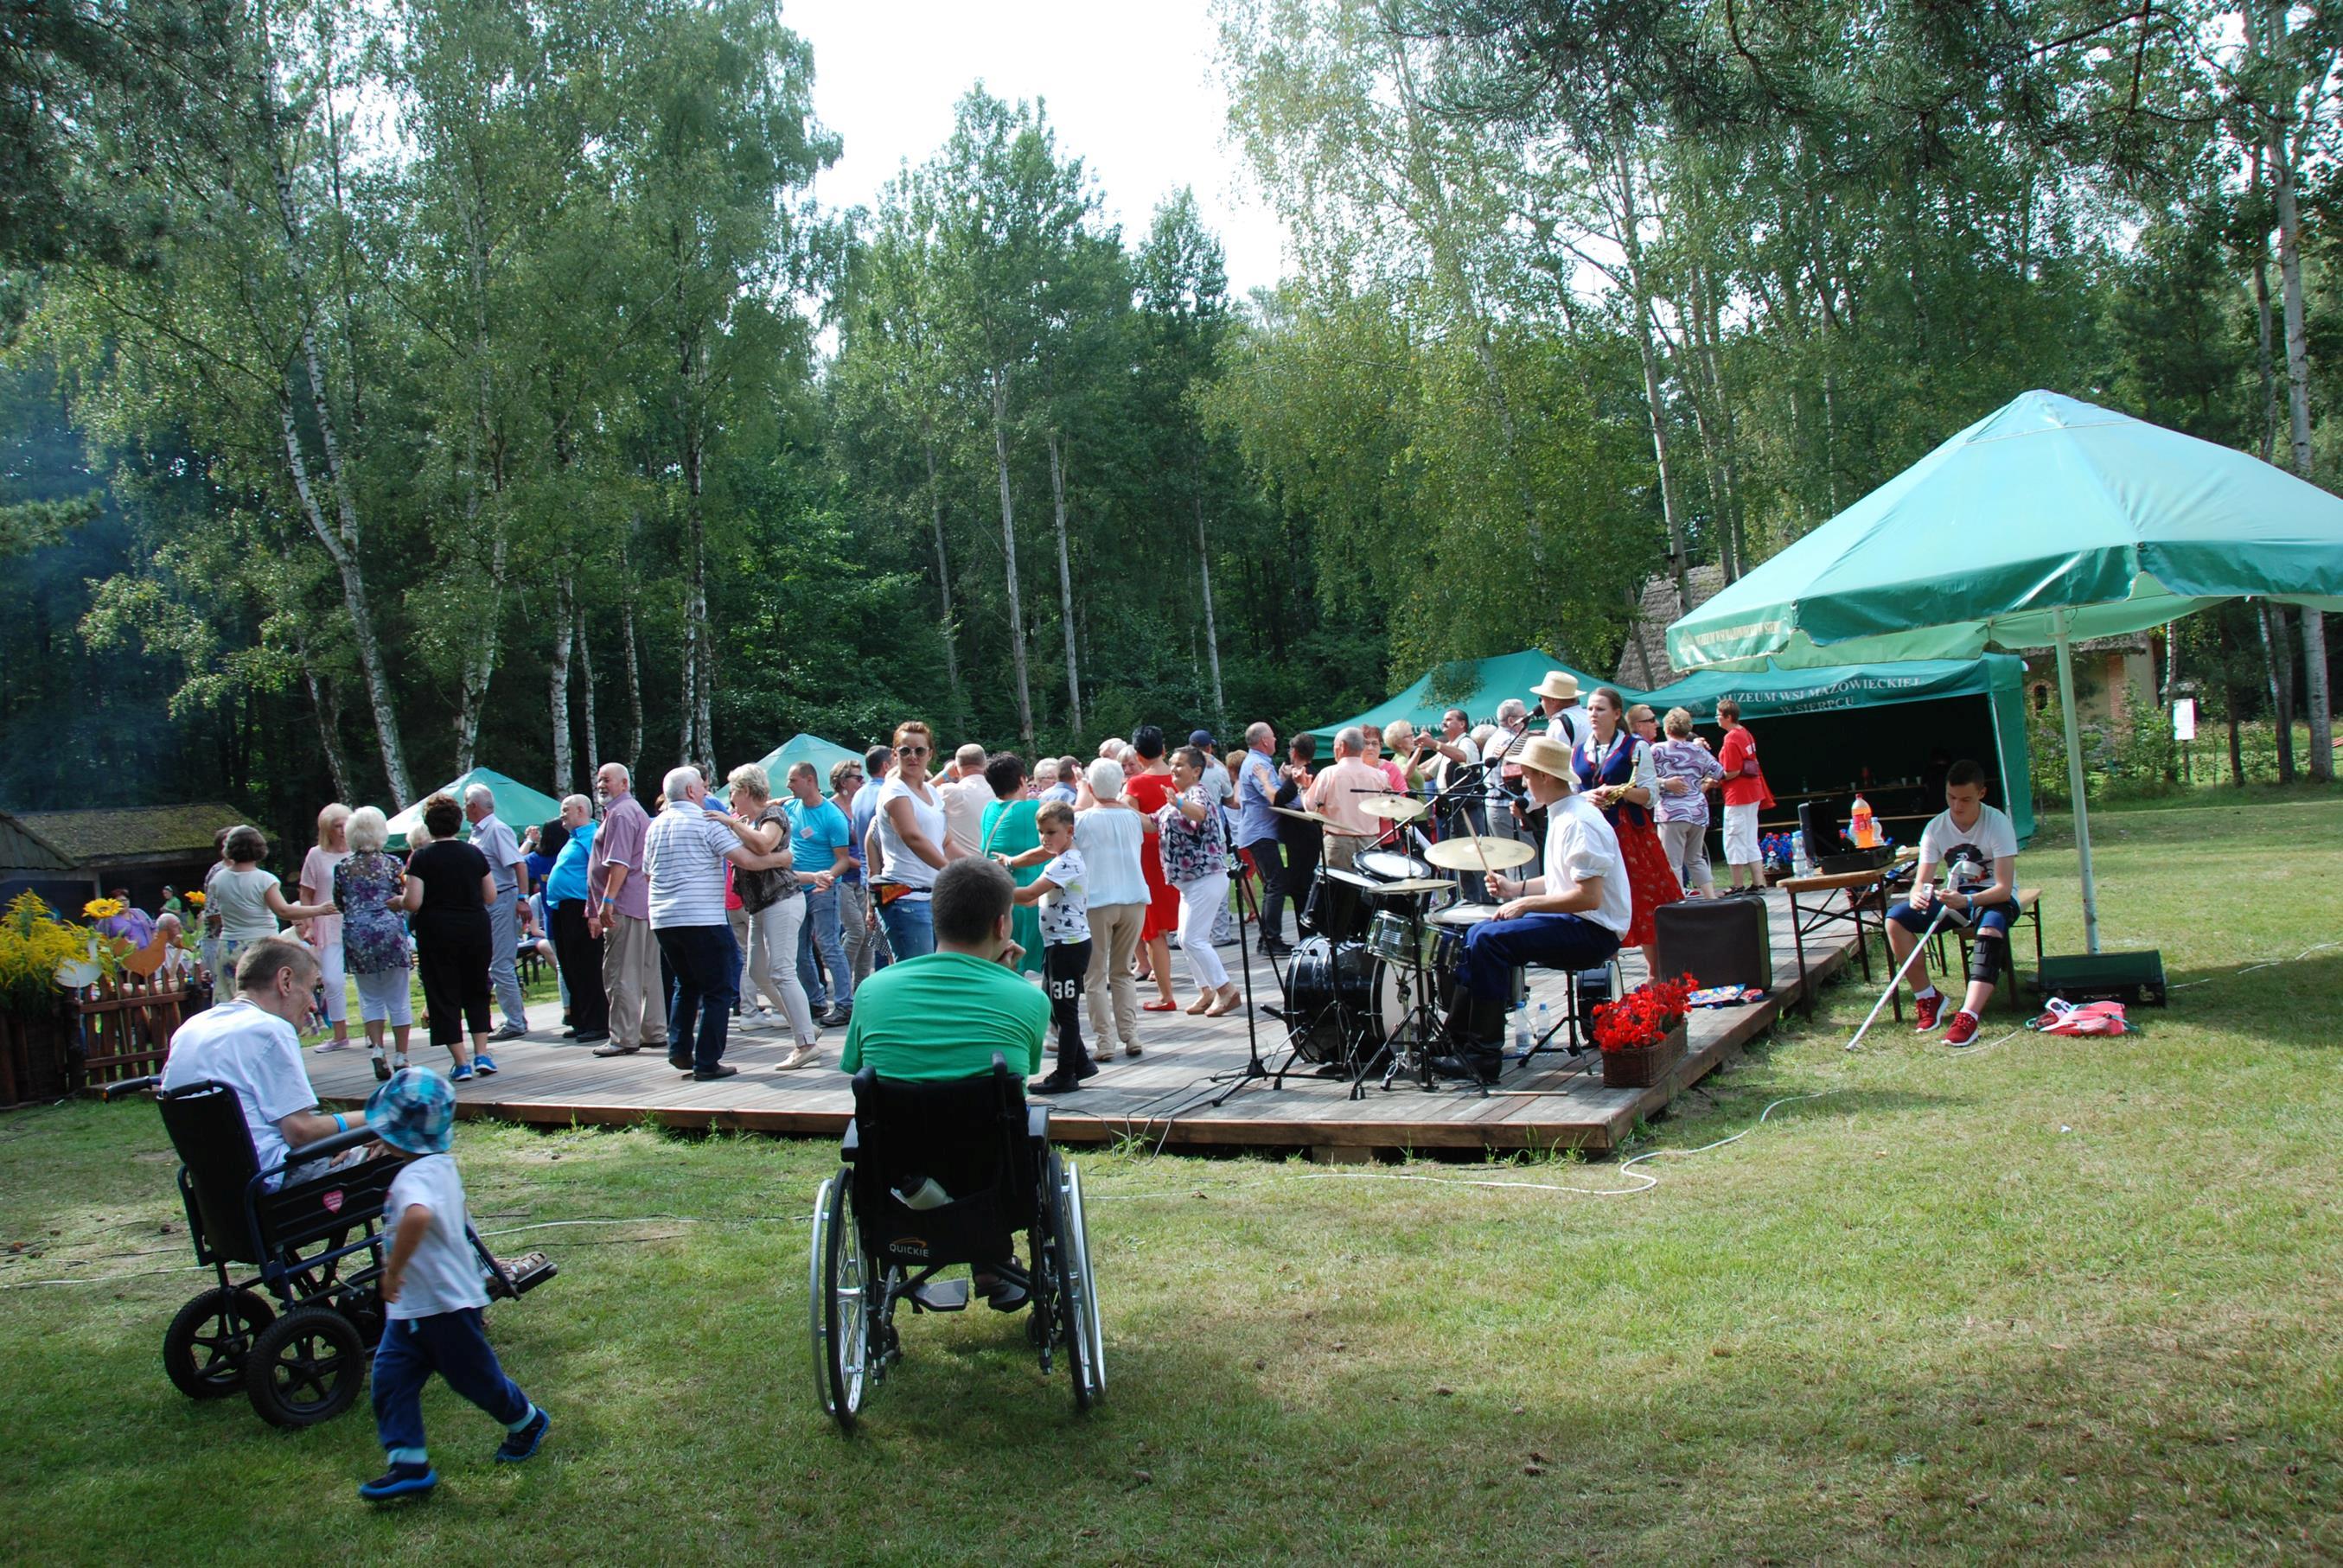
x=485 y=1065
x=520 y=1445
x=461 y=1075
x=399 y=1481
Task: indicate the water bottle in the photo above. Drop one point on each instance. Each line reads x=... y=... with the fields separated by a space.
x=1860 y=825
x=1798 y=857
x=1522 y=1028
x=1544 y=1023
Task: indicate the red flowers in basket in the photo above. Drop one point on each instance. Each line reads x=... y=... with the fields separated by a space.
x=1645 y=1016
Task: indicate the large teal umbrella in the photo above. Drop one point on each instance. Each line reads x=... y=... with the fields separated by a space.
x=2045 y=521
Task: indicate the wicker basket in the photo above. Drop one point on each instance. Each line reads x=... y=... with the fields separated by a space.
x=1643 y=1067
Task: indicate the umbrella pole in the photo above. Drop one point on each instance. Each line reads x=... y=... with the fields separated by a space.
x=2075 y=781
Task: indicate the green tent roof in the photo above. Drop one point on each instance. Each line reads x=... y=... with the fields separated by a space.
x=1474 y=684
x=518 y=805
x=800 y=748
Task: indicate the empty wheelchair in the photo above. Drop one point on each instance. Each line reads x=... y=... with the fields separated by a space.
x=938 y=1175
x=316 y=1244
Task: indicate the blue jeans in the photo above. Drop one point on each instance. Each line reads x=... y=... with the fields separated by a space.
x=821 y=931
x=910 y=928
x=1494 y=948
x=707 y=963
x=1995 y=918
x=453 y=1345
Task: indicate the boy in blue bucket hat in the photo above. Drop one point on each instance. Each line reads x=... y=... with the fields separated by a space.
x=433 y=1292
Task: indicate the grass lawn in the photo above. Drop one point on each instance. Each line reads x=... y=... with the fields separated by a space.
x=2057 y=1299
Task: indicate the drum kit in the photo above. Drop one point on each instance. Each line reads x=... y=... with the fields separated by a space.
x=1369 y=983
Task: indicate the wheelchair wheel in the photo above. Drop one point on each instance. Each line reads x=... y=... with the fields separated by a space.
x=305 y=1368
x=207 y=1344
x=1077 y=1304
x=839 y=1311
x=1090 y=1336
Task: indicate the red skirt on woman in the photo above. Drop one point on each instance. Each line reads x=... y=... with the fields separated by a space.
x=1148 y=792
x=1651 y=880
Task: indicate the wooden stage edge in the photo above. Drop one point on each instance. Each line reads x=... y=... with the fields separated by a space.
x=1552 y=1101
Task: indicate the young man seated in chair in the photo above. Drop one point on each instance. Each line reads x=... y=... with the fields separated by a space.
x=1572 y=917
x=251 y=1044
x=1977 y=848
x=944 y=1015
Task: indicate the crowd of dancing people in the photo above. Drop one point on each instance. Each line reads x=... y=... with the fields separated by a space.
x=671 y=913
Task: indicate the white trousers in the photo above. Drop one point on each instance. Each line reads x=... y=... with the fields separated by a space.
x=778 y=924
x=1200 y=902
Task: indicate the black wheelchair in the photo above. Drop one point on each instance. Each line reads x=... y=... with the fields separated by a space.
x=316 y=1241
x=978 y=1160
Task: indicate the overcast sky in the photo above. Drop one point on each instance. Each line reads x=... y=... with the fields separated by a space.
x=1130 y=89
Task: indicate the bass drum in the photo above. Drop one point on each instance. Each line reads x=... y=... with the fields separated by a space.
x=1322 y=971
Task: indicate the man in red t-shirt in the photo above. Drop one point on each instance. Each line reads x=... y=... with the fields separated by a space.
x=1745 y=793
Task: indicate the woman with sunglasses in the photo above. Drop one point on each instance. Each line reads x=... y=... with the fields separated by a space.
x=910 y=823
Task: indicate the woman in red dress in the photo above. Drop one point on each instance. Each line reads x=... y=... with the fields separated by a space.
x=1148 y=789
x=1615 y=771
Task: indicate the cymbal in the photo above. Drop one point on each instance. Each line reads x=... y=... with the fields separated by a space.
x=1475 y=854
x=1393 y=807
x=1416 y=885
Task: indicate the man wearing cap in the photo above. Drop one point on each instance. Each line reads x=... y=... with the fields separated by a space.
x=1572 y=917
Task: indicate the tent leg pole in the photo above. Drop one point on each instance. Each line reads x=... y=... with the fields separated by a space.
x=2075 y=782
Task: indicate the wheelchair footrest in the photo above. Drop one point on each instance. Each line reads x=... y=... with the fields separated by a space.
x=940 y=1296
x=527 y=1272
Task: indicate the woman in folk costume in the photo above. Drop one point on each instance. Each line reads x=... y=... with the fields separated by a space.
x=1615 y=771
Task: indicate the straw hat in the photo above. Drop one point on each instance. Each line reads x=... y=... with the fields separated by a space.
x=1548 y=757
x=1558 y=683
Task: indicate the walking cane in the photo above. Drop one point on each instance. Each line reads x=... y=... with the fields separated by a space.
x=1901 y=970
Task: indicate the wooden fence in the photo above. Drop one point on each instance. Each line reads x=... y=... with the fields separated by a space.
x=114 y=1030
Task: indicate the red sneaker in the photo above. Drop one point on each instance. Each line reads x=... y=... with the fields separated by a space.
x=1926 y=1010
x=1964 y=1028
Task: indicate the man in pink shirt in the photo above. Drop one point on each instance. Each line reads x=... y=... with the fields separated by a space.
x=619 y=910
x=1336 y=793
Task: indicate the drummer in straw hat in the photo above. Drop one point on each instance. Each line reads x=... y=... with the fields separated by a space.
x=1571 y=916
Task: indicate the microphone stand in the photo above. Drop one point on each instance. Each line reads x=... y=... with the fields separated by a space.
x=1254 y=1070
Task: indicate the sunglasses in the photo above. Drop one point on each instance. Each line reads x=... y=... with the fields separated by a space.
x=911 y=750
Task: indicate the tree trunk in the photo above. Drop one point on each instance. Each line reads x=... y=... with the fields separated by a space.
x=2231 y=696
x=698 y=744
x=341 y=549
x=634 y=680
x=1008 y=556
x=944 y=582
x=2297 y=387
x=1631 y=241
x=1211 y=634
x=586 y=684
x=485 y=478
x=565 y=620
x=1066 y=587
x=2277 y=661
x=328 y=711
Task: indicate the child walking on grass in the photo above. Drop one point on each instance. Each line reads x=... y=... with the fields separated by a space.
x=433 y=1292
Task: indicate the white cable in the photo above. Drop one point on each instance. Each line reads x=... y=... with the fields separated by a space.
x=2268 y=964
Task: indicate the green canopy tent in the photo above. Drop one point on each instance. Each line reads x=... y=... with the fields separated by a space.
x=2045 y=521
x=1911 y=710
x=1474 y=684
x=518 y=805
x=800 y=748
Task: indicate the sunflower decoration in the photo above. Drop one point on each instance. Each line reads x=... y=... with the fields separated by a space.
x=193 y=901
x=103 y=908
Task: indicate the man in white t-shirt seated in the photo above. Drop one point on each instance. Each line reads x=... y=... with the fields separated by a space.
x=252 y=1045
x=1978 y=849
x=1572 y=917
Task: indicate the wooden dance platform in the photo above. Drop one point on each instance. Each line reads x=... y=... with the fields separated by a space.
x=1161 y=1098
